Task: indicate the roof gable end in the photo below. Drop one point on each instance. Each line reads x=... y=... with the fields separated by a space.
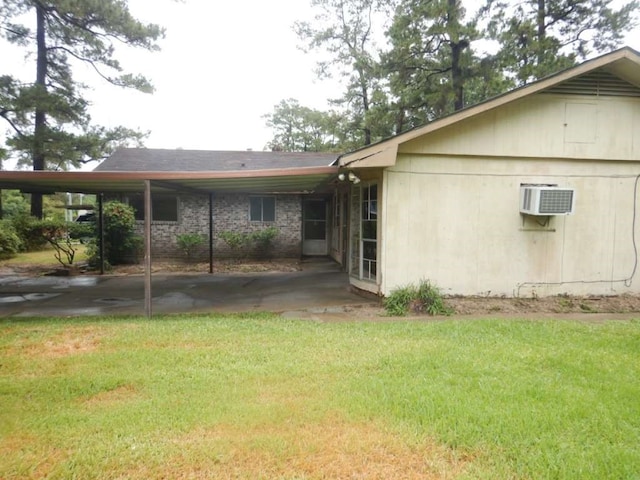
x=618 y=71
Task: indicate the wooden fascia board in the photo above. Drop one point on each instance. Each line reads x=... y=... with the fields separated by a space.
x=380 y=155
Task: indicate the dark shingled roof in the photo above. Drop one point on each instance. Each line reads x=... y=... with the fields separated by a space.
x=161 y=160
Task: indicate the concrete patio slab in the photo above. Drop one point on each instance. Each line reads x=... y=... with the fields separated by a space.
x=320 y=285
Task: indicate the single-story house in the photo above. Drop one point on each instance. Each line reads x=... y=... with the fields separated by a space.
x=299 y=212
x=534 y=192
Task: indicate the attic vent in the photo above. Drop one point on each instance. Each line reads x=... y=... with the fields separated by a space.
x=536 y=200
x=598 y=83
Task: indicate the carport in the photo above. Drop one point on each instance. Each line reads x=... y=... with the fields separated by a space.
x=288 y=180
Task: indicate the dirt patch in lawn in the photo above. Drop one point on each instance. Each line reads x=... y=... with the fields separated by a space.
x=120 y=394
x=332 y=449
x=70 y=341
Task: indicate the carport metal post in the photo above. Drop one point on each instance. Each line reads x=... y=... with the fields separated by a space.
x=211 y=197
x=101 y=230
x=147 y=248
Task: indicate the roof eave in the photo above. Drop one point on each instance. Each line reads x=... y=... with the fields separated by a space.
x=106 y=182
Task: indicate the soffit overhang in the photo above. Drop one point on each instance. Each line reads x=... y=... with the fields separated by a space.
x=289 y=180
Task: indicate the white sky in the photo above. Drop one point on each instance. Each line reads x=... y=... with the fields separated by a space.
x=223 y=65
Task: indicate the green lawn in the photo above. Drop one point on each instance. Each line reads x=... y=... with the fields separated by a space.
x=46 y=256
x=261 y=397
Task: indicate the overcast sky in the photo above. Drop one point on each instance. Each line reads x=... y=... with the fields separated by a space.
x=223 y=65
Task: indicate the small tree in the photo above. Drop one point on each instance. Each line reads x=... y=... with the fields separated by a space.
x=56 y=233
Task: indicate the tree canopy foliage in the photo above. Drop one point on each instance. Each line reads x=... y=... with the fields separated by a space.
x=540 y=37
x=407 y=62
x=48 y=118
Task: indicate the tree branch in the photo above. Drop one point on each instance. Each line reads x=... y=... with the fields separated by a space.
x=86 y=60
x=3 y=114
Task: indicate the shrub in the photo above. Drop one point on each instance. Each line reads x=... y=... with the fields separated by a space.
x=10 y=242
x=236 y=241
x=82 y=231
x=188 y=242
x=264 y=240
x=426 y=297
x=121 y=245
x=242 y=243
x=30 y=232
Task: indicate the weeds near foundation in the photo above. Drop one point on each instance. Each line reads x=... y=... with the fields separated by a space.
x=424 y=298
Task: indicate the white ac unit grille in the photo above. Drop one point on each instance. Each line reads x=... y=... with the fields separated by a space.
x=546 y=200
x=556 y=202
x=526 y=203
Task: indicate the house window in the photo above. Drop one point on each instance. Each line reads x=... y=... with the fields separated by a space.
x=369 y=231
x=262 y=209
x=364 y=225
x=164 y=208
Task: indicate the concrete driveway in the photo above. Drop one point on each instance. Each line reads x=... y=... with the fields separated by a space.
x=320 y=286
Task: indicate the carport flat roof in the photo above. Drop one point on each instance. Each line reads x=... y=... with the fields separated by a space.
x=281 y=180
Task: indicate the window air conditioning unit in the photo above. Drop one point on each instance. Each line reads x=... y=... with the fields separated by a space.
x=540 y=200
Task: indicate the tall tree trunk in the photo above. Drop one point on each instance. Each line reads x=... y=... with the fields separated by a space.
x=365 y=109
x=457 y=47
x=457 y=82
x=40 y=116
x=541 y=31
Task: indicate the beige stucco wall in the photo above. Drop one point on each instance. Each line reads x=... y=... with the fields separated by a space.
x=450 y=205
x=542 y=126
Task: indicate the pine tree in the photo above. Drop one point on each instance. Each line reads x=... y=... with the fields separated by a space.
x=302 y=129
x=345 y=29
x=49 y=122
x=430 y=65
x=541 y=37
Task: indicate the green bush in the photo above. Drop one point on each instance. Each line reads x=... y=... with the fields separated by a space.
x=189 y=242
x=425 y=298
x=263 y=240
x=121 y=244
x=10 y=242
x=30 y=232
x=82 y=231
x=236 y=241
x=260 y=241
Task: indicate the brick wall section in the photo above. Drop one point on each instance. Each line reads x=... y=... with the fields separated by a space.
x=230 y=213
